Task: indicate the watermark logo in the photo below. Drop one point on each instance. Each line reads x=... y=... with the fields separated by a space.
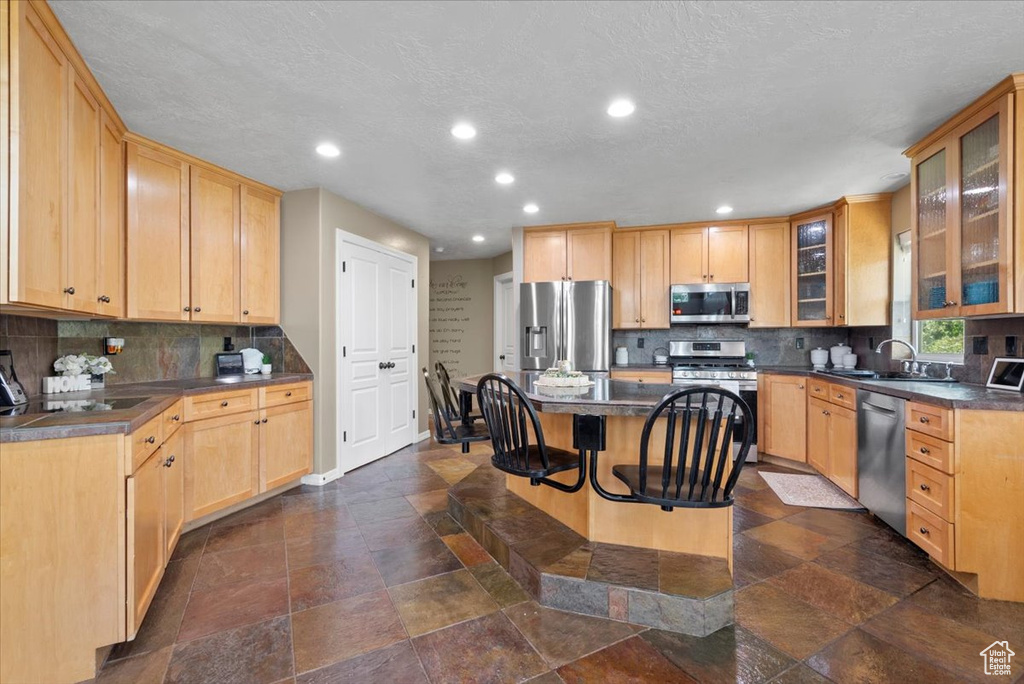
x=997 y=658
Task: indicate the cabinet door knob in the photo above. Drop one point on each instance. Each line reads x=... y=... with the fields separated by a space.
x=223 y=403
x=168 y=462
x=925 y=488
x=924 y=530
x=245 y=312
x=188 y=308
x=925 y=450
x=711 y=277
x=636 y=320
x=799 y=386
x=256 y=422
x=643 y=320
x=264 y=420
x=150 y=440
x=197 y=309
x=69 y=290
x=104 y=299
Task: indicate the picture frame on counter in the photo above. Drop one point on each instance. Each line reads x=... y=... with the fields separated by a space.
x=1007 y=374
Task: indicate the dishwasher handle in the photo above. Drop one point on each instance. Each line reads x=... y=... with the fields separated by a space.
x=879 y=409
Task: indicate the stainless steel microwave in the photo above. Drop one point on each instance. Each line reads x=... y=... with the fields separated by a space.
x=711 y=303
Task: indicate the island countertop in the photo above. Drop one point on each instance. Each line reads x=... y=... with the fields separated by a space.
x=606 y=397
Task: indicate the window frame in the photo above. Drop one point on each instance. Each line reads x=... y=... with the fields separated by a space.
x=955 y=359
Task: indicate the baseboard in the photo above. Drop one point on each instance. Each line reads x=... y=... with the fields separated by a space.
x=422 y=436
x=320 y=479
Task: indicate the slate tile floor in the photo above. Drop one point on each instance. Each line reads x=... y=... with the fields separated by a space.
x=370 y=580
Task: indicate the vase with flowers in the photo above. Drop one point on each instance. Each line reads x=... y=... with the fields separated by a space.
x=85 y=364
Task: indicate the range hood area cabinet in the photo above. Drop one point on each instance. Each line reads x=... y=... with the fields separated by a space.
x=202 y=243
x=62 y=144
x=709 y=254
x=967 y=212
x=575 y=251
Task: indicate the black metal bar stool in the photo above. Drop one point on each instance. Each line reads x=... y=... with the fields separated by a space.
x=505 y=409
x=458 y=404
x=695 y=457
x=445 y=432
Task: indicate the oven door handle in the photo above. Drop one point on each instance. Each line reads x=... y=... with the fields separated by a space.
x=732 y=303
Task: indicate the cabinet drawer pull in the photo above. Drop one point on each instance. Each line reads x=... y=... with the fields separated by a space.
x=839 y=396
x=150 y=440
x=925 y=450
x=223 y=403
x=287 y=394
x=924 y=419
x=924 y=530
x=175 y=417
x=925 y=488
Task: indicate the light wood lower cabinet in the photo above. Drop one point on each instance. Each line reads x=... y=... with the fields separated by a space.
x=781 y=416
x=832 y=436
x=174 y=491
x=233 y=457
x=663 y=377
x=286 y=444
x=221 y=462
x=146 y=525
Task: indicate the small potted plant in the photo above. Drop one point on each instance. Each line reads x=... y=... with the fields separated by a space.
x=266 y=367
x=98 y=367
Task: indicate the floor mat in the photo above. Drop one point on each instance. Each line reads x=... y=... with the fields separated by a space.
x=811 y=491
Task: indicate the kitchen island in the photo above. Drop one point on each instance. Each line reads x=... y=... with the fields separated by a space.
x=625 y=405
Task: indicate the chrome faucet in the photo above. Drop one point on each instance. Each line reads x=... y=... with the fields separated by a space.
x=913 y=367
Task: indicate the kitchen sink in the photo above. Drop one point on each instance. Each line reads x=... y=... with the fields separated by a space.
x=886 y=375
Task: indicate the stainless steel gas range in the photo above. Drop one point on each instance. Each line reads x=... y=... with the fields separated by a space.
x=719 y=363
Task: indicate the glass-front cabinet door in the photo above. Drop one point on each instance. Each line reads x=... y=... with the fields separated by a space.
x=812 y=272
x=934 y=282
x=984 y=243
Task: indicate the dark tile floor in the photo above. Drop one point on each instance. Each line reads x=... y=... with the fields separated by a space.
x=368 y=579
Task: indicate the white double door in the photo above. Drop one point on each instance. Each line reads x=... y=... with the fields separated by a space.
x=504 y=324
x=377 y=330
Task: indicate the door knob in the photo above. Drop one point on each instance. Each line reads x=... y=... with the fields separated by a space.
x=391 y=365
x=380 y=365
x=501 y=358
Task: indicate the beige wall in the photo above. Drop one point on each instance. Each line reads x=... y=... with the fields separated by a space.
x=502 y=263
x=462 y=315
x=901 y=210
x=309 y=221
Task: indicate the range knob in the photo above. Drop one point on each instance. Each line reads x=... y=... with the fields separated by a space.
x=733 y=374
x=685 y=374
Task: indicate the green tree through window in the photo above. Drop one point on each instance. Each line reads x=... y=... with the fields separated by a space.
x=942 y=337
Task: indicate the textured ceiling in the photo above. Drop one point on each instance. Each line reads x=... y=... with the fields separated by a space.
x=770 y=107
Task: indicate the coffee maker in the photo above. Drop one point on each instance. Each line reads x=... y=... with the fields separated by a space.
x=11 y=391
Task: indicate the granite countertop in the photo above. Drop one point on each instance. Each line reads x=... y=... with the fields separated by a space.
x=949 y=395
x=156 y=397
x=606 y=397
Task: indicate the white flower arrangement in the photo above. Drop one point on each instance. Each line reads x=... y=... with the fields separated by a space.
x=80 y=364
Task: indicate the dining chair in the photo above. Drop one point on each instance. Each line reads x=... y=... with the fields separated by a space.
x=445 y=430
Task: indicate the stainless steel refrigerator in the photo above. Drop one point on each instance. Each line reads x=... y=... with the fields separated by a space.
x=566 y=320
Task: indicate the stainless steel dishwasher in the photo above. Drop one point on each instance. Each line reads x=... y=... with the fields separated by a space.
x=881 y=457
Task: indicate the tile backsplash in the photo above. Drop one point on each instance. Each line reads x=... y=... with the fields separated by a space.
x=153 y=351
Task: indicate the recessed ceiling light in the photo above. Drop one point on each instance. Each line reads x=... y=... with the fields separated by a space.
x=439 y=249
x=478 y=238
x=327 y=149
x=531 y=208
x=504 y=178
x=620 y=108
x=463 y=131
x=724 y=209
x=897 y=175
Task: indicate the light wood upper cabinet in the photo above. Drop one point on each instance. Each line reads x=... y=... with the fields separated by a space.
x=961 y=192
x=626 y=280
x=770 y=283
x=83 y=229
x=39 y=82
x=568 y=252
x=222 y=462
x=689 y=256
x=640 y=279
x=654 y=279
x=286 y=444
x=709 y=254
x=589 y=253
x=812 y=271
x=215 y=241
x=261 y=264
x=111 y=220
x=157 y=235
x=863 y=242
